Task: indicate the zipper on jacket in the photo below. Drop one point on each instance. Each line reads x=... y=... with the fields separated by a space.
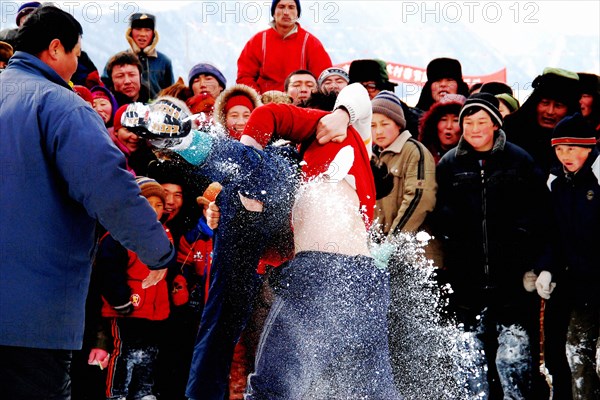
x=486 y=266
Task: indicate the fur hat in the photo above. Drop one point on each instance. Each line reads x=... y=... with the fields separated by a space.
x=206 y=69
x=440 y=68
x=142 y=20
x=558 y=84
x=388 y=104
x=496 y=88
x=274 y=6
x=449 y=104
x=574 y=131
x=332 y=71
x=26 y=9
x=370 y=70
x=236 y=94
x=484 y=101
x=437 y=69
x=6 y=51
x=276 y=96
x=150 y=187
x=589 y=83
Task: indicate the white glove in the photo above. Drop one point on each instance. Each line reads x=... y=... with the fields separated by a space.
x=529 y=281
x=544 y=284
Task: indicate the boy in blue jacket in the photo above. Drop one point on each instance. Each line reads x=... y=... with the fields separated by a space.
x=575 y=187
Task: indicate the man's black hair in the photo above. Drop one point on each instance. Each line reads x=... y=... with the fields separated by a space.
x=45 y=24
x=320 y=101
x=297 y=72
x=123 y=58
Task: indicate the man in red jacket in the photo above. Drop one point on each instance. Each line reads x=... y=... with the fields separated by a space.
x=271 y=55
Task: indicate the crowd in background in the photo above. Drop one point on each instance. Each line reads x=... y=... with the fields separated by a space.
x=509 y=193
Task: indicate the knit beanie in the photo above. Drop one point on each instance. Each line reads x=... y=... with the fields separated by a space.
x=84 y=93
x=509 y=101
x=117 y=120
x=558 y=84
x=100 y=92
x=239 y=100
x=574 y=131
x=26 y=9
x=388 y=104
x=274 y=6
x=142 y=20
x=206 y=69
x=332 y=71
x=485 y=101
x=6 y=51
x=150 y=187
x=440 y=68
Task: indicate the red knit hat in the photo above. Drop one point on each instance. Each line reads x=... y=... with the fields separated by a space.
x=99 y=94
x=84 y=93
x=117 y=122
x=239 y=100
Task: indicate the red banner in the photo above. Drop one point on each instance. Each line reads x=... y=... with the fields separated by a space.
x=400 y=73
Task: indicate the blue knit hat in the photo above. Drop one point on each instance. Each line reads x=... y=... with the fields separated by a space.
x=206 y=69
x=573 y=130
x=26 y=9
x=388 y=104
x=274 y=6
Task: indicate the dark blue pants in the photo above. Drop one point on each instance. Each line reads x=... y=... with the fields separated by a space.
x=326 y=334
x=33 y=374
x=268 y=176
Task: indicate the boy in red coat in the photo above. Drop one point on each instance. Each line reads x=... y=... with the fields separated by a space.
x=135 y=314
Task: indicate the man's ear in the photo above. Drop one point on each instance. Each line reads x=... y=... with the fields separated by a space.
x=53 y=48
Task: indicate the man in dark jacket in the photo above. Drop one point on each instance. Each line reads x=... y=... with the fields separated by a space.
x=156 y=69
x=61 y=174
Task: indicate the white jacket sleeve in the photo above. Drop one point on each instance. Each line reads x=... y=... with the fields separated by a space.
x=355 y=99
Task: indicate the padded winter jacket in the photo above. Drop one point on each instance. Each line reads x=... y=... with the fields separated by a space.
x=61 y=174
x=489 y=214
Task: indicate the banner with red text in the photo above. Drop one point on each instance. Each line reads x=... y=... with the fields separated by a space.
x=400 y=73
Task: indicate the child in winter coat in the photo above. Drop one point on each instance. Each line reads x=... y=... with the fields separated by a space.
x=135 y=313
x=489 y=213
x=575 y=187
x=409 y=163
